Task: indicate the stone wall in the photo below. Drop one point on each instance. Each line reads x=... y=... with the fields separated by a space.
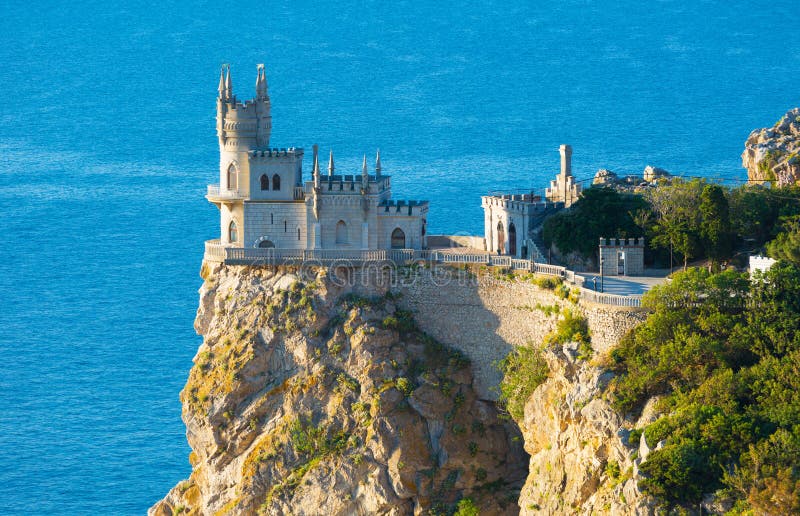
x=485 y=316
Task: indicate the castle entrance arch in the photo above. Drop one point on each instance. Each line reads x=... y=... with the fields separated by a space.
x=512 y=239
x=266 y=244
x=398 y=239
x=501 y=238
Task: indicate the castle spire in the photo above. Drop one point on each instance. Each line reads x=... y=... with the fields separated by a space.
x=316 y=165
x=378 y=164
x=330 y=164
x=364 y=173
x=261 y=82
x=221 y=87
x=228 y=83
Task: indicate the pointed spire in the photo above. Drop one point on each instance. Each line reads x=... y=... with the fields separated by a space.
x=221 y=87
x=228 y=83
x=261 y=82
x=378 y=164
x=316 y=165
x=330 y=164
x=364 y=171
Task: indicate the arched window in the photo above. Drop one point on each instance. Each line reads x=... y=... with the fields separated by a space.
x=276 y=182
x=298 y=233
x=341 y=232
x=398 y=239
x=501 y=238
x=264 y=182
x=233 y=232
x=232 y=183
x=512 y=239
x=272 y=218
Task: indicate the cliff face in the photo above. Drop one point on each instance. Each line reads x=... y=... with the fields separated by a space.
x=306 y=400
x=580 y=458
x=771 y=154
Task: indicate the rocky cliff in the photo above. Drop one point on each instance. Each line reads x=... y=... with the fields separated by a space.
x=582 y=458
x=307 y=399
x=771 y=154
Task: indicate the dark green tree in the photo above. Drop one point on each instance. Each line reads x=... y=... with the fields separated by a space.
x=715 y=228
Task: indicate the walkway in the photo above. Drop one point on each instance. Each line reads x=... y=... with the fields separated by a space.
x=626 y=285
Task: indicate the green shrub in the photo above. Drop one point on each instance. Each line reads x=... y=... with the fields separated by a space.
x=466 y=507
x=523 y=370
x=571 y=327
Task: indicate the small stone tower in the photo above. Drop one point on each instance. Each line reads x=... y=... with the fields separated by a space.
x=619 y=257
x=564 y=188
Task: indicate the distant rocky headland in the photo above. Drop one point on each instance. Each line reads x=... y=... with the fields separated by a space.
x=771 y=154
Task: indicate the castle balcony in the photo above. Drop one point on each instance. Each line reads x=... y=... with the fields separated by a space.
x=217 y=194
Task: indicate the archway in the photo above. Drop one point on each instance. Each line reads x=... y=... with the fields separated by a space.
x=264 y=182
x=398 y=239
x=341 y=232
x=266 y=244
x=501 y=238
x=512 y=239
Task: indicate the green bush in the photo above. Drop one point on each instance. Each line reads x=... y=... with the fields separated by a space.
x=570 y=327
x=466 y=507
x=524 y=370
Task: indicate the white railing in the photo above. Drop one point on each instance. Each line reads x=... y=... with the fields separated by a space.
x=610 y=299
x=215 y=192
x=215 y=251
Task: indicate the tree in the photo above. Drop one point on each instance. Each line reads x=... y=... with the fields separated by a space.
x=600 y=212
x=677 y=223
x=786 y=245
x=715 y=229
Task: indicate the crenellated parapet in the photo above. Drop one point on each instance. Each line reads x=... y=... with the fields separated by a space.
x=401 y=207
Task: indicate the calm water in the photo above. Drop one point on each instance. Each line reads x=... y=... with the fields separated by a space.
x=107 y=140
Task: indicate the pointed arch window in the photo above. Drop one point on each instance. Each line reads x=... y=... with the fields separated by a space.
x=264 y=182
x=232 y=176
x=276 y=182
x=233 y=232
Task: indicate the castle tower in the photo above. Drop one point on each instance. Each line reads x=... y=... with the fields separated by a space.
x=250 y=173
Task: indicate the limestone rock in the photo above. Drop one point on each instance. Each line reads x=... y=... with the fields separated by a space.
x=652 y=173
x=604 y=177
x=580 y=463
x=302 y=400
x=771 y=154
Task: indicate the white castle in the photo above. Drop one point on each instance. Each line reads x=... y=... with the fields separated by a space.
x=264 y=201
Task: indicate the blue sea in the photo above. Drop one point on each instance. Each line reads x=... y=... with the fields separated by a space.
x=107 y=137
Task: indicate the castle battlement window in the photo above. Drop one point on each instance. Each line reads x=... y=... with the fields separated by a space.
x=276 y=182
x=264 y=182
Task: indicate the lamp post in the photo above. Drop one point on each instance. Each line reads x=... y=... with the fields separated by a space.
x=602 y=286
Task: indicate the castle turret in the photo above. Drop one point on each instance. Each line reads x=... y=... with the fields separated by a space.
x=364 y=174
x=330 y=164
x=378 y=164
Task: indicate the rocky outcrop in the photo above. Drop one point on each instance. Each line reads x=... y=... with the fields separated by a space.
x=771 y=154
x=307 y=399
x=581 y=459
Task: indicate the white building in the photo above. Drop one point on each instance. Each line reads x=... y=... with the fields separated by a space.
x=265 y=202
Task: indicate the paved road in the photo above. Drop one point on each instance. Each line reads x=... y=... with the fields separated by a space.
x=627 y=285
